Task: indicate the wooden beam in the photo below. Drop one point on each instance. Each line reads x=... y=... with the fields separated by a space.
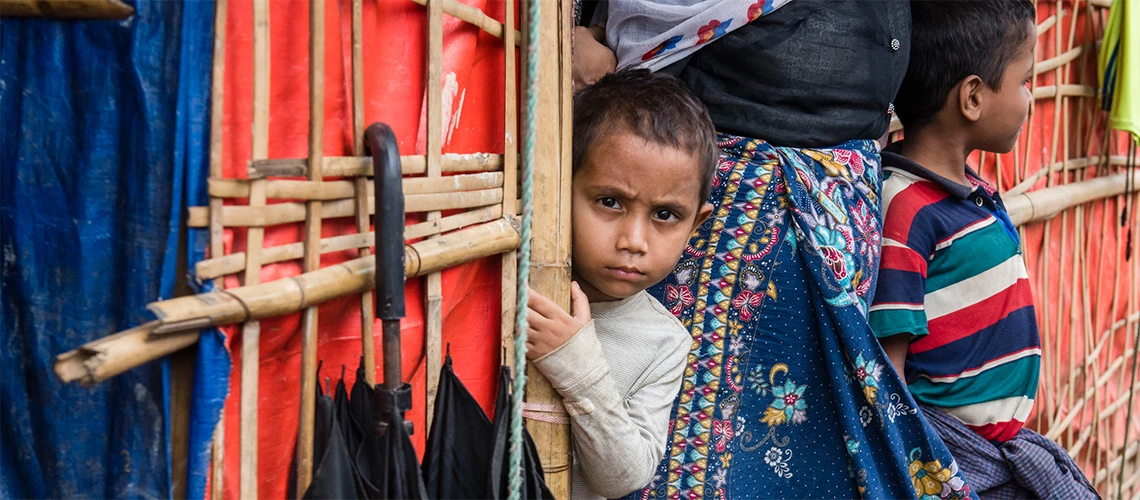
x=361 y=186
x=312 y=241
x=350 y=166
x=550 y=254
x=433 y=298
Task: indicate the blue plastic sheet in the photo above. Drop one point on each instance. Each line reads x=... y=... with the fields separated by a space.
x=103 y=133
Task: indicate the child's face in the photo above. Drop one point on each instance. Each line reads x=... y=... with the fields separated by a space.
x=634 y=205
x=1008 y=105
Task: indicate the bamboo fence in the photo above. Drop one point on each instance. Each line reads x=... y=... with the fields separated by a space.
x=1064 y=186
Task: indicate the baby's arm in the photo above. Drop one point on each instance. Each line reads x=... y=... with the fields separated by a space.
x=618 y=442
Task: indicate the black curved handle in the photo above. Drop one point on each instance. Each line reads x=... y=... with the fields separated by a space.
x=389 y=221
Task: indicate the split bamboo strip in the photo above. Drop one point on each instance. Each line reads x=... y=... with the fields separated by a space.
x=1118 y=462
x=361 y=185
x=217 y=231
x=181 y=317
x=1046 y=25
x=1091 y=161
x=251 y=332
x=433 y=298
x=550 y=257
x=476 y=17
x=1057 y=62
x=67 y=9
x=351 y=166
x=509 y=283
x=104 y=358
x=1104 y=4
x=335 y=190
x=1044 y=203
x=284 y=213
x=235 y=262
x=1067 y=90
x=291 y=294
x=312 y=241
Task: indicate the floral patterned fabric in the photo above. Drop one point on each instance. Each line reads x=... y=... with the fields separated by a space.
x=787 y=393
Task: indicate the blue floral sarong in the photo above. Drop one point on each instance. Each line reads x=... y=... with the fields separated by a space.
x=787 y=393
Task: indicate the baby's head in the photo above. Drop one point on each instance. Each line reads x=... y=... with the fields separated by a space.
x=970 y=61
x=644 y=156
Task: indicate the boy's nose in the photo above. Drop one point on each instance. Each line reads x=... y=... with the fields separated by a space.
x=632 y=238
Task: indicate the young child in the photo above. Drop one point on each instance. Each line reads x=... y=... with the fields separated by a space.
x=953 y=309
x=644 y=153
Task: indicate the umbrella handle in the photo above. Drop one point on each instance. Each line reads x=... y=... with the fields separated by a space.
x=389 y=223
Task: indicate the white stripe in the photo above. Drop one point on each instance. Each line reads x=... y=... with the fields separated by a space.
x=899 y=181
x=975 y=289
x=973 y=372
x=993 y=412
x=896 y=306
x=966 y=230
x=887 y=242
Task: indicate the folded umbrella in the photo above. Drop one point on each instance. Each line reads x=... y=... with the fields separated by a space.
x=456 y=460
x=498 y=484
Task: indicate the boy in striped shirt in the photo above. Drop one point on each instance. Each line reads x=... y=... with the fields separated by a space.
x=953 y=309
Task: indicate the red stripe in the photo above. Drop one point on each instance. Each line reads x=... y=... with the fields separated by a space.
x=905 y=206
x=974 y=318
x=903 y=259
x=1001 y=431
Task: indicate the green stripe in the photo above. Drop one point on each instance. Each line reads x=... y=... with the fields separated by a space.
x=969 y=256
x=888 y=322
x=1005 y=381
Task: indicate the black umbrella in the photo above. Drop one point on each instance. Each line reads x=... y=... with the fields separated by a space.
x=333 y=476
x=456 y=460
x=396 y=472
x=498 y=485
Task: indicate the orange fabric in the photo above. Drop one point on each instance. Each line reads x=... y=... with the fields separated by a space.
x=394 y=51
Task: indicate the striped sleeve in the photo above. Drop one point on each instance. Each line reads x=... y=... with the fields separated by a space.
x=898 y=305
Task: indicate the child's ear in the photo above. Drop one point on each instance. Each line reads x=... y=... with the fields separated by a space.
x=970 y=97
x=702 y=215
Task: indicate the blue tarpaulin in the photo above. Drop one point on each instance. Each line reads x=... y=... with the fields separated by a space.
x=103 y=142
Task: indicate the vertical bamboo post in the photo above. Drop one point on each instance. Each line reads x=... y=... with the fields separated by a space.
x=433 y=297
x=550 y=254
x=312 y=260
x=510 y=180
x=251 y=331
x=368 y=344
x=217 y=244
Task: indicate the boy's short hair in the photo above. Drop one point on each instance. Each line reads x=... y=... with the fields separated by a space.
x=953 y=39
x=654 y=106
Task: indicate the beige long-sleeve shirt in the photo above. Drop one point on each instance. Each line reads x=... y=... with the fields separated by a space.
x=618 y=377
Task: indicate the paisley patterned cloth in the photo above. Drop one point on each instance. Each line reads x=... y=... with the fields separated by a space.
x=787 y=393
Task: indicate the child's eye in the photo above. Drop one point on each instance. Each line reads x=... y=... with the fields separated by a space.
x=609 y=202
x=665 y=215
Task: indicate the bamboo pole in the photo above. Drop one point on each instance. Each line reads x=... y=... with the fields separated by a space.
x=433 y=298
x=351 y=166
x=1075 y=163
x=312 y=260
x=235 y=262
x=251 y=331
x=362 y=188
x=217 y=231
x=550 y=268
x=67 y=9
x=284 y=213
x=509 y=284
x=1044 y=203
x=180 y=318
x=475 y=17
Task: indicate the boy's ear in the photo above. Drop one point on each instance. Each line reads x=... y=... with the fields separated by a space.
x=970 y=97
x=703 y=214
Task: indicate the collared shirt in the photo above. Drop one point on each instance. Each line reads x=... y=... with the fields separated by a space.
x=814 y=73
x=952 y=275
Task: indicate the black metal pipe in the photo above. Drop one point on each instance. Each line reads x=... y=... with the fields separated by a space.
x=389 y=223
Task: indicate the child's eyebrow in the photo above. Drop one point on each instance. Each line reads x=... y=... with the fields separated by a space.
x=677 y=208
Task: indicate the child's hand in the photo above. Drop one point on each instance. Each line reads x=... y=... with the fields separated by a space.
x=549 y=326
x=590 y=58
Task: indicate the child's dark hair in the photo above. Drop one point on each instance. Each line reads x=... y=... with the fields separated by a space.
x=654 y=106
x=953 y=39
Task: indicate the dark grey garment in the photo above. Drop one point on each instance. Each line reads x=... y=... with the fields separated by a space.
x=814 y=73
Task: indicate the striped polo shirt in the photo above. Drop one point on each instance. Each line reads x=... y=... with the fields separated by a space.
x=952 y=276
